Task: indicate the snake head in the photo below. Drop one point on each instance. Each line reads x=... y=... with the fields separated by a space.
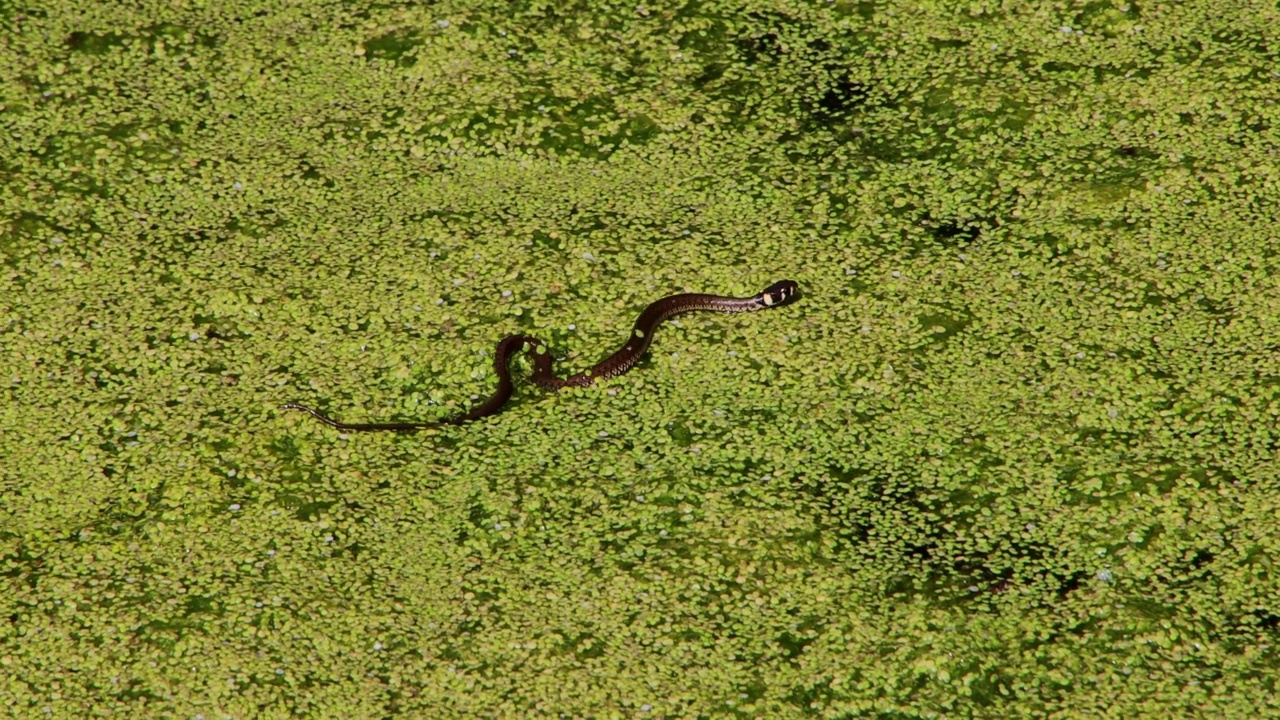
x=779 y=293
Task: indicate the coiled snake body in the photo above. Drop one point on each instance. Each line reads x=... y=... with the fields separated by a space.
x=779 y=293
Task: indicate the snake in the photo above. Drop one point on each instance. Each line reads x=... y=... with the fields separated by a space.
x=776 y=295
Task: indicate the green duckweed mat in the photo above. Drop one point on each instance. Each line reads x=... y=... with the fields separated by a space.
x=1012 y=454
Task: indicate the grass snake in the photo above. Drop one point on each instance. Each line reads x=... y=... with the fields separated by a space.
x=779 y=293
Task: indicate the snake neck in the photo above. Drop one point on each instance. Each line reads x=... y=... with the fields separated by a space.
x=640 y=339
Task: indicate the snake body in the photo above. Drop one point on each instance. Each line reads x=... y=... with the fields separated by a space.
x=779 y=293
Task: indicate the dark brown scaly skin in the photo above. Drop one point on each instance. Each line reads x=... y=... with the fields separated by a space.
x=779 y=293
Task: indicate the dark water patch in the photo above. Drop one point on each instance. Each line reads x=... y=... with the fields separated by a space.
x=92 y=43
x=940 y=327
x=398 y=46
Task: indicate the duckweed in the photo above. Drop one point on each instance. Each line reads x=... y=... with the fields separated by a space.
x=1012 y=454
